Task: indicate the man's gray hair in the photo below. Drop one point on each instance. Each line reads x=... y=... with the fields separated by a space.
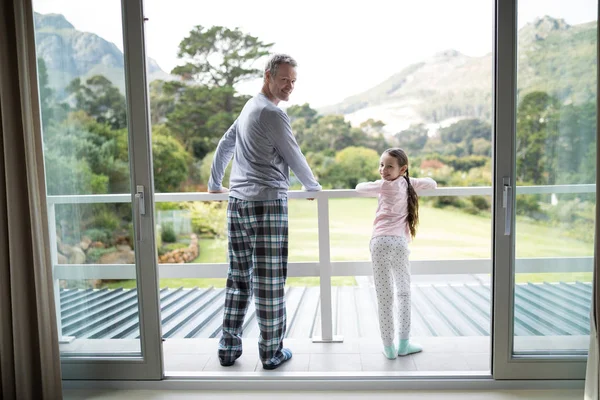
x=276 y=60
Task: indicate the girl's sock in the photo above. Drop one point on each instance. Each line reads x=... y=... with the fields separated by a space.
x=389 y=352
x=406 y=347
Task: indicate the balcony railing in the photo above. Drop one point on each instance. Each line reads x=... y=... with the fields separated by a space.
x=324 y=267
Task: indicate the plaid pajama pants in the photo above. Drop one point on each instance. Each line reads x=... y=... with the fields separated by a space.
x=258 y=252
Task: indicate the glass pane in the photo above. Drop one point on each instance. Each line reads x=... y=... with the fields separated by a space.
x=84 y=125
x=556 y=175
x=376 y=88
x=439 y=110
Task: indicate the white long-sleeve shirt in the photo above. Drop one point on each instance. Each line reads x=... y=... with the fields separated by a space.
x=392 y=209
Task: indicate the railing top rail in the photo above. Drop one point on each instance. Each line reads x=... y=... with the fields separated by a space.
x=327 y=194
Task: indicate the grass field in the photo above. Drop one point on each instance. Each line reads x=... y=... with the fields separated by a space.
x=443 y=234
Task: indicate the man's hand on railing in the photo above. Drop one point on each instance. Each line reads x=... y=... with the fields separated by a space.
x=309 y=198
x=222 y=190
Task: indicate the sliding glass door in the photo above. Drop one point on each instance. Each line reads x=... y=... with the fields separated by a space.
x=100 y=187
x=545 y=186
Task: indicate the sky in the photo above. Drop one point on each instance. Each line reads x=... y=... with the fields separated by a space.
x=342 y=47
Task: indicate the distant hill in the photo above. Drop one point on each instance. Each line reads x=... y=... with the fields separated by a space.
x=70 y=54
x=553 y=56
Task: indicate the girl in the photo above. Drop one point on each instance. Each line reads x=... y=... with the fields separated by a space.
x=395 y=224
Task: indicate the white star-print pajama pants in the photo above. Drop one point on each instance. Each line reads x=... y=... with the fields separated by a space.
x=391 y=270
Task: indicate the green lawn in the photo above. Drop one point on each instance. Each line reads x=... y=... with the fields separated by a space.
x=443 y=234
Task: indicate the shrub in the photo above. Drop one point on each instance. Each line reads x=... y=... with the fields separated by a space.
x=528 y=204
x=99 y=235
x=450 y=201
x=208 y=218
x=94 y=254
x=480 y=203
x=431 y=164
x=168 y=205
x=575 y=217
x=168 y=233
x=107 y=220
x=472 y=210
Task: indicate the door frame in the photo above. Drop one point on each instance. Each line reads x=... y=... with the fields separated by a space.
x=506 y=365
x=150 y=365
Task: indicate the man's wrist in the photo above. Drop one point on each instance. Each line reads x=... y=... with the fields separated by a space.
x=312 y=188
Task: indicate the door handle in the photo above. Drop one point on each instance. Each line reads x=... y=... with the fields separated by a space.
x=507 y=204
x=140 y=205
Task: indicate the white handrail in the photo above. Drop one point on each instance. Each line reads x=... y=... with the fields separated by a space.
x=329 y=194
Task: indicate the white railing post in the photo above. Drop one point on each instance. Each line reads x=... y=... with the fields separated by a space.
x=54 y=261
x=325 y=273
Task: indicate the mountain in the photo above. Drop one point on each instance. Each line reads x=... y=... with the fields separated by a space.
x=69 y=54
x=553 y=56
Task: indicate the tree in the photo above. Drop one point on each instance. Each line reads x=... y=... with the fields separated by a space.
x=99 y=98
x=302 y=117
x=206 y=166
x=171 y=161
x=71 y=152
x=67 y=175
x=304 y=112
x=587 y=170
x=199 y=119
x=464 y=138
x=206 y=102
x=353 y=165
x=46 y=93
x=162 y=102
x=576 y=131
x=220 y=57
x=466 y=130
x=463 y=134
x=52 y=111
x=332 y=133
x=481 y=147
x=321 y=165
x=103 y=149
x=372 y=127
x=374 y=135
x=537 y=132
x=413 y=139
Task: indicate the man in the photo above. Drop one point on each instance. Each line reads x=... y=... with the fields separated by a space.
x=263 y=149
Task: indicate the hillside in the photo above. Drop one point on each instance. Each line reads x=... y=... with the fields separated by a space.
x=70 y=54
x=553 y=56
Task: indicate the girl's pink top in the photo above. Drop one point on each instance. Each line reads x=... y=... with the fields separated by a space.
x=392 y=210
